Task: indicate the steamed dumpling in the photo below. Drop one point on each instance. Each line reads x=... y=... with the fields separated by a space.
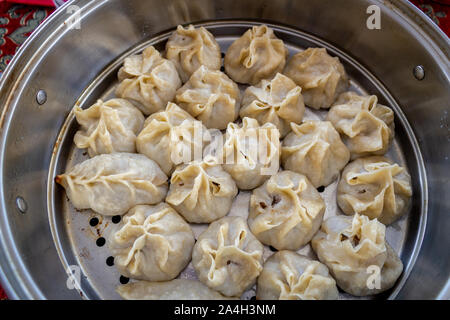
x=321 y=76
x=356 y=252
x=286 y=211
x=108 y=127
x=211 y=97
x=375 y=187
x=278 y=101
x=366 y=126
x=148 y=81
x=111 y=184
x=201 y=191
x=171 y=137
x=258 y=54
x=316 y=150
x=191 y=48
x=251 y=152
x=290 y=276
x=227 y=257
x=152 y=243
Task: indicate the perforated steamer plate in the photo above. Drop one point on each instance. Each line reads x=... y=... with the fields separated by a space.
x=75 y=239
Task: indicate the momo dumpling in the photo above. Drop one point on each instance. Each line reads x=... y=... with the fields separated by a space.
x=258 y=54
x=357 y=254
x=111 y=184
x=108 y=126
x=375 y=187
x=148 y=80
x=201 y=191
x=321 y=76
x=171 y=137
x=211 y=97
x=251 y=152
x=278 y=101
x=152 y=243
x=286 y=211
x=366 y=126
x=290 y=276
x=227 y=257
x=176 y=289
x=191 y=48
x=315 y=149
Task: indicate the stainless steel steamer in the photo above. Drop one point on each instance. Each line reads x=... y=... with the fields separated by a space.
x=58 y=67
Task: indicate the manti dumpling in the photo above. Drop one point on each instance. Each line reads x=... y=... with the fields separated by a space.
x=227 y=257
x=357 y=254
x=148 y=80
x=171 y=137
x=201 y=191
x=315 y=149
x=286 y=211
x=321 y=76
x=278 y=101
x=191 y=48
x=376 y=187
x=152 y=243
x=176 y=289
x=111 y=184
x=211 y=97
x=258 y=54
x=366 y=126
x=108 y=126
x=251 y=152
x=290 y=276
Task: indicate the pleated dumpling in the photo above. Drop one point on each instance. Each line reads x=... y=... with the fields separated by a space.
x=201 y=191
x=148 y=80
x=357 y=254
x=211 y=97
x=366 y=126
x=251 y=152
x=375 y=187
x=258 y=54
x=321 y=76
x=111 y=184
x=108 y=126
x=278 y=101
x=286 y=211
x=191 y=48
x=315 y=149
x=152 y=243
x=227 y=257
x=290 y=276
x=171 y=137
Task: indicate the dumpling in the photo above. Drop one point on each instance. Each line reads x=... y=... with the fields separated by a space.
x=176 y=289
x=366 y=126
x=171 y=137
x=258 y=54
x=211 y=97
x=227 y=257
x=148 y=81
x=152 y=243
x=201 y=191
x=316 y=150
x=375 y=187
x=286 y=211
x=108 y=127
x=111 y=184
x=191 y=48
x=278 y=101
x=321 y=76
x=357 y=254
x=251 y=152
x=290 y=276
